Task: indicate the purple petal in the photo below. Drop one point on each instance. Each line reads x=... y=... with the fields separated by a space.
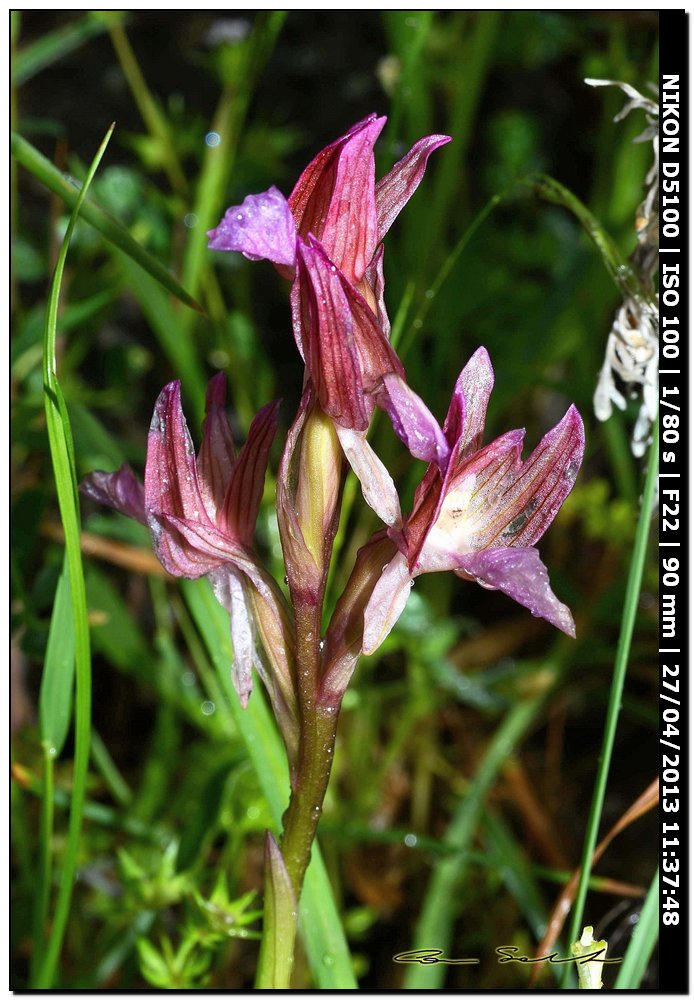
x=327 y=331
x=217 y=454
x=377 y=484
x=171 y=483
x=261 y=228
x=334 y=198
x=245 y=492
x=528 y=499
x=521 y=574
x=120 y=490
x=387 y=602
x=464 y=424
x=413 y=422
x=395 y=189
x=343 y=640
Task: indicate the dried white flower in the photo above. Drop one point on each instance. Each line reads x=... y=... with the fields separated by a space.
x=632 y=345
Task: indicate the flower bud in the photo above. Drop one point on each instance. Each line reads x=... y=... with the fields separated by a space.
x=308 y=499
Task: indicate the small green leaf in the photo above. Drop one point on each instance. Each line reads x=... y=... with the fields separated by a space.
x=57 y=679
x=279 y=930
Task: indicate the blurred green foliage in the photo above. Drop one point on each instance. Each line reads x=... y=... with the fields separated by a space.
x=172 y=846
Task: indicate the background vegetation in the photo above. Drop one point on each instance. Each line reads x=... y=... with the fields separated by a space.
x=468 y=746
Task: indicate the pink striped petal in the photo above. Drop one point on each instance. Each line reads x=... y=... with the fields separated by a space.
x=397 y=187
x=528 y=498
x=245 y=491
x=464 y=424
x=521 y=574
x=120 y=490
x=261 y=228
x=171 y=482
x=327 y=332
x=374 y=292
x=217 y=453
x=343 y=640
x=334 y=199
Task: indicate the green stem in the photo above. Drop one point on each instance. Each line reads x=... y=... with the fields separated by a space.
x=622 y=659
x=318 y=728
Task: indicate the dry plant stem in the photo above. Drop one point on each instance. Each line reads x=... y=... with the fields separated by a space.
x=318 y=727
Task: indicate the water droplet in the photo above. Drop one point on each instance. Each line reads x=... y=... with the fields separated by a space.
x=410 y=840
x=411 y=583
x=321 y=645
x=328 y=960
x=208 y=707
x=239 y=217
x=286 y=579
x=52 y=752
x=213 y=139
x=188 y=678
x=190 y=220
x=417 y=324
x=429 y=294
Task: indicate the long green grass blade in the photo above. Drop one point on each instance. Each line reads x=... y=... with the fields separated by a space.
x=63 y=459
x=52 y=178
x=631 y=599
x=619 y=268
x=435 y=925
x=57 y=679
x=642 y=941
x=319 y=921
x=54 y=46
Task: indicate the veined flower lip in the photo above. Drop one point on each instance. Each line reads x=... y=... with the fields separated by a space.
x=480 y=511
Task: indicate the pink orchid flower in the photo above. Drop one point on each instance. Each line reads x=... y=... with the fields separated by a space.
x=201 y=514
x=328 y=237
x=479 y=511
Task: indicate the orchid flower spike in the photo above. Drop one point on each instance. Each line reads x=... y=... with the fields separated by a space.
x=328 y=237
x=201 y=513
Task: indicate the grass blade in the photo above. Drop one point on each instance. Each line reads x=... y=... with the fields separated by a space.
x=435 y=924
x=53 y=46
x=633 y=589
x=642 y=941
x=319 y=922
x=63 y=459
x=52 y=178
x=55 y=696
